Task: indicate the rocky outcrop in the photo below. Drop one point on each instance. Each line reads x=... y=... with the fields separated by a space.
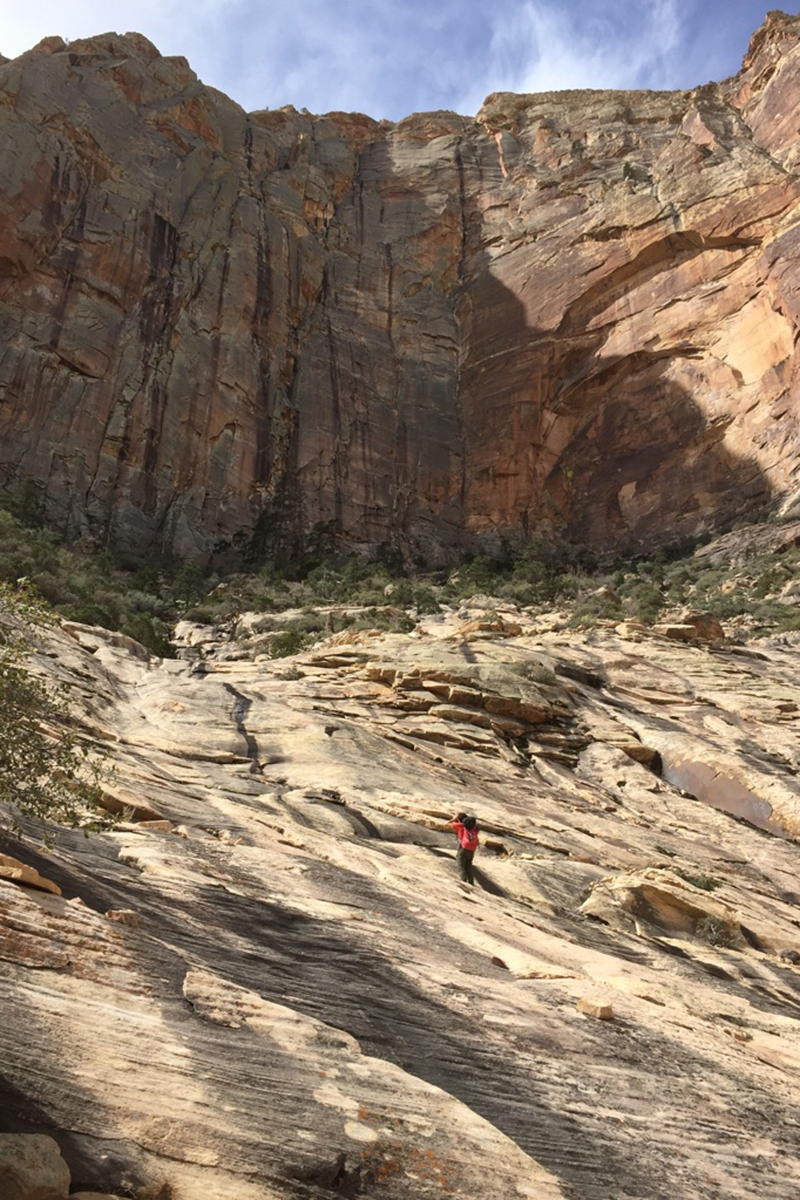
x=577 y=310
x=13 y=869
x=282 y=990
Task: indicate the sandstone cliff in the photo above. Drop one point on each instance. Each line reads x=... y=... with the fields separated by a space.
x=577 y=309
x=280 y=990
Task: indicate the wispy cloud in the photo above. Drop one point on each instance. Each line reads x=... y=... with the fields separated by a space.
x=393 y=57
x=543 y=46
x=175 y=26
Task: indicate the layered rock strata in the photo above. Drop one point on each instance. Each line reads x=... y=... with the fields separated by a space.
x=217 y=329
x=276 y=987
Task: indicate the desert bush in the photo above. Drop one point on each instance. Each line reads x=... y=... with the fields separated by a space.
x=307 y=622
x=697 y=879
x=145 y=600
x=148 y=602
x=589 y=609
x=153 y=633
x=476 y=576
x=424 y=599
x=83 y=584
x=716 y=931
x=45 y=773
x=643 y=600
x=786 y=622
x=769 y=581
x=728 y=604
x=267 y=625
x=519 y=593
x=291 y=641
x=539 y=577
x=391 y=619
x=204 y=614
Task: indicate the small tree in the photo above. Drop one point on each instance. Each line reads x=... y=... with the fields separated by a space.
x=44 y=771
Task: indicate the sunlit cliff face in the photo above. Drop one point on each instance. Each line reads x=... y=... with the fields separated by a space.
x=574 y=313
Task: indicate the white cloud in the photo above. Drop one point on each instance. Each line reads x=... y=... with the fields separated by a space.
x=173 y=21
x=544 y=46
x=384 y=57
x=313 y=53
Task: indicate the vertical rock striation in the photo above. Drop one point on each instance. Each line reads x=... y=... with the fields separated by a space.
x=577 y=310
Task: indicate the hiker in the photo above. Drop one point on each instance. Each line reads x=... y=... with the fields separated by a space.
x=467 y=833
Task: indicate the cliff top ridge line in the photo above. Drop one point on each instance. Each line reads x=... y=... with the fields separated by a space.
x=778 y=28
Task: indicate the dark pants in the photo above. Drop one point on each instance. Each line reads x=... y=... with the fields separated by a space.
x=464 y=860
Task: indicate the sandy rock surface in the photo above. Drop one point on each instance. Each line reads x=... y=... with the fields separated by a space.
x=286 y=992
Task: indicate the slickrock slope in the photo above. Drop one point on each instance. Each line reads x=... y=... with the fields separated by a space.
x=222 y=329
x=278 y=988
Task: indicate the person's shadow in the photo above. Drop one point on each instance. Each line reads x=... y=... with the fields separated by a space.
x=483 y=881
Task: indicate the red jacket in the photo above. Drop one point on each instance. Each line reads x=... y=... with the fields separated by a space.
x=467 y=837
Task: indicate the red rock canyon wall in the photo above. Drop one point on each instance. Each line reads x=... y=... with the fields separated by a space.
x=577 y=311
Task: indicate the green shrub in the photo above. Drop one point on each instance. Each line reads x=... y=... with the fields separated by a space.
x=787 y=623
x=644 y=601
x=706 y=882
x=44 y=771
x=728 y=604
x=91 y=587
x=769 y=581
x=477 y=576
x=716 y=931
x=151 y=632
x=424 y=599
x=203 y=614
x=519 y=593
x=83 y=585
x=147 y=602
x=291 y=641
x=391 y=619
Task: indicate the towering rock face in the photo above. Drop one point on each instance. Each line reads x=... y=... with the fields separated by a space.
x=577 y=310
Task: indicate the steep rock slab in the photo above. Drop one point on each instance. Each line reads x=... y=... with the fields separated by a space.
x=295 y=972
x=223 y=329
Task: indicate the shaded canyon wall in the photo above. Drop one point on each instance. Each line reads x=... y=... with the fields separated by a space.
x=575 y=312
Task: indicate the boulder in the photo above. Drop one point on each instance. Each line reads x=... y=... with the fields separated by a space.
x=31 y=1168
x=706 y=627
x=675 y=632
x=601 y=1010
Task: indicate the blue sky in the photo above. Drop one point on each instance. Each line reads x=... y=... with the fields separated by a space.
x=390 y=58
